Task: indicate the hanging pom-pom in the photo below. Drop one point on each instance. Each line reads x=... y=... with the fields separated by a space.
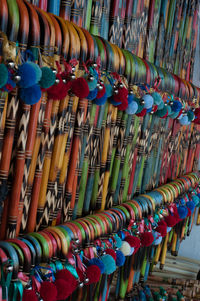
x=157 y=98
x=148 y=101
x=182 y=212
x=60 y=90
x=109 y=90
x=29 y=295
x=142 y=113
x=29 y=75
x=157 y=238
x=3 y=75
x=91 y=81
x=120 y=260
x=99 y=263
x=37 y=70
x=93 y=94
x=118 y=241
x=93 y=273
x=30 y=95
x=176 y=106
x=196 y=200
x=101 y=101
x=162 y=228
x=174 y=115
x=67 y=276
x=190 y=116
x=64 y=289
x=80 y=88
x=170 y=220
x=101 y=92
x=121 y=96
x=190 y=205
x=48 y=78
x=197 y=113
x=48 y=291
x=140 y=107
x=162 y=113
x=184 y=120
x=125 y=248
x=134 y=242
x=132 y=108
x=112 y=253
x=109 y=263
x=146 y=239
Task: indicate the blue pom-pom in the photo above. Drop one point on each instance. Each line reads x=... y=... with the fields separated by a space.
x=99 y=263
x=109 y=90
x=93 y=94
x=177 y=106
x=184 y=120
x=148 y=101
x=118 y=241
x=3 y=75
x=122 y=235
x=114 y=102
x=109 y=263
x=132 y=108
x=149 y=110
x=30 y=95
x=182 y=212
x=38 y=71
x=120 y=258
x=190 y=205
x=130 y=98
x=101 y=101
x=142 y=296
x=28 y=75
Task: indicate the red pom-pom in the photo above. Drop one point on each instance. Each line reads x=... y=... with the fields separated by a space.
x=112 y=253
x=142 y=113
x=121 y=96
x=80 y=87
x=60 y=90
x=170 y=220
x=67 y=276
x=64 y=289
x=176 y=215
x=197 y=113
x=48 y=291
x=29 y=295
x=189 y=212
x=101 y=92
x=162 y=228
x=134 y=242
x=93 y=273
x=146 y=239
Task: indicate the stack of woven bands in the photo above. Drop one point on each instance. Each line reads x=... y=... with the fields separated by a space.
x=85 y=125
x=81 y=259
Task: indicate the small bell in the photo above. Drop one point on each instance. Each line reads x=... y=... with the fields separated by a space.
x=131 y=92
x=94 y=65
x=64 y=81
x=121 y=85
x=72 y=76
x=57 y=81
x=166 y=103
x=77 y=241
x=86 y=280
x=73 y=68
x=76 y=251
x=9 y=268
x=142 y=102
x=98 y=84
x=54 y=71
x=100 y=87
x=81 y=284
x=116 y=91
x=90 y=77
x=193 y=109
x=17 y=78
x=11 y=64
x=152 y=112
x=171 y=103
x=101 y=82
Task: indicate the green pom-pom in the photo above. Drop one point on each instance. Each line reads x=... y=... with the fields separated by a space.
x=157 y=98
x=190 y=115
x=162 y=112
x=48 y=78
x=3 y=75
x=140 y=107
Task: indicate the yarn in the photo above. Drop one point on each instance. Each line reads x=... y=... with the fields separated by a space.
x=130 y=98
x=29 y=75
x=109 y=263
x=101 y=92
x=120 y=260
x=125 y=248
x=97 y=262
x=3 y=75
x=48 y=78
x=114 y=102
x=30 y=95
x=80 y=88
x=93 y=94
x=146 y=239
x=29 y=295
x=112 y=253
x=93 y=273
x=148 y=101
x=157 y=238
x=48 y=291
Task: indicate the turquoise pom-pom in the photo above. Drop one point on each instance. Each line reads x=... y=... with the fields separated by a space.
x=99 y=263
x=169 y=110
x=174 y=115
x=3 y=75
x=30 y=95
x=92 y=84
x=184 y=120
x=132 y=108
x=48 y=78
x=101 y=101
x=148 y=101
x=162 y=112
x=120 y=260
x=157 y=98
x=109 y=263
x=190 y=115
x=161 y=105
x=29 y=75
x=118 y=241
x=93 y=94
x=140 y=107
x=109 y=90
